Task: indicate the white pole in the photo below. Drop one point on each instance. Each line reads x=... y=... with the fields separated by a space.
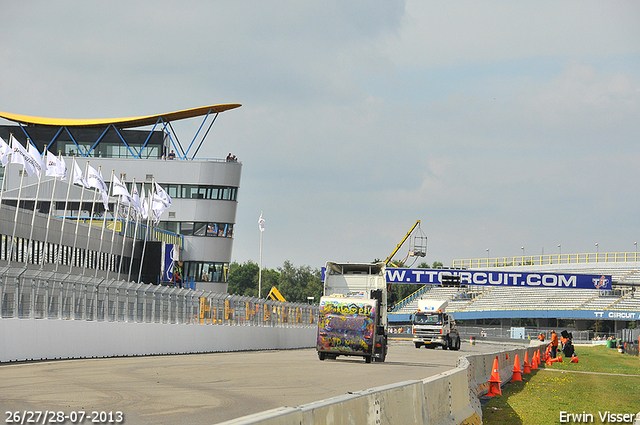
x=15 y=219
x=261 y=227
x=146 y=231
x=260 y=269
x=133 y=241
x=64 y=217
x=113 y=232
x=86 y=252
x=104 y=224
x=30 y=250
x=124 y=236
x=46 y=235
x=75 y=237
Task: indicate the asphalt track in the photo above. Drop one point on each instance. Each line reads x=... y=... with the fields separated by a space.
x=208 y=388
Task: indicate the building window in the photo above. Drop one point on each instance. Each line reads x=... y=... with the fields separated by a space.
x=189 y=228
x=201 y=271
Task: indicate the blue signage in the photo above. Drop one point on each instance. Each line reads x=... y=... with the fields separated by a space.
x=510 y=314
x=171 y=255
x=499 y=278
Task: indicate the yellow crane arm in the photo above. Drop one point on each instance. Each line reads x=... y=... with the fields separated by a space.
x=401 y=243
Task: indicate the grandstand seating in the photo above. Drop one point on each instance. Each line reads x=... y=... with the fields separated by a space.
x=630 y=302
x=479 y=298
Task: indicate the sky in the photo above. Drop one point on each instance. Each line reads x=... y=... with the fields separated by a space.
x=505 y=127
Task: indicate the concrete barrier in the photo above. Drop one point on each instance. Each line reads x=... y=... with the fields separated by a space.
x=41 y=339
x=451 y=397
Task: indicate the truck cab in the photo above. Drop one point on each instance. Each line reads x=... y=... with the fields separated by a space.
x=353 y=312
x=432 y=327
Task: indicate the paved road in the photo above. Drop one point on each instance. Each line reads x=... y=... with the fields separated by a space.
x=208 y=388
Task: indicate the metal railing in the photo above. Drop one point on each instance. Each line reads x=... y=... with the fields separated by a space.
x=542 y=260
x=29 y=294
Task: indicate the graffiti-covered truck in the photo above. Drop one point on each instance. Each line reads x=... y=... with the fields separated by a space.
x=353 y=312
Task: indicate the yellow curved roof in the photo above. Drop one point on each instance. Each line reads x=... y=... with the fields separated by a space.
x=119 y=122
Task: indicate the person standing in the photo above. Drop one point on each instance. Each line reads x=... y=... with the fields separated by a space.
x=554 y=344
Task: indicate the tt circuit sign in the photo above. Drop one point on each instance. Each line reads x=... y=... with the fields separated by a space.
x=494 y=278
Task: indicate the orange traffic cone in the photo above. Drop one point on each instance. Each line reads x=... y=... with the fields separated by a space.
x=574 y=359
x=545 y=356
x=527 y=369
x=556 y=360
x=517 y=373
x=534 y=361
x=494 y=381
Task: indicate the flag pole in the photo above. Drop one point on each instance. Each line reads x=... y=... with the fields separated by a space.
x=124 y=236
x=261 y=226
x=113 y=232
x=30 y=248
x=15 y=220
x=5 y=155
x=133 y=241
x=146 y=232
x=64 y=217
x=75 y=238
x=93 y=208
x=104 y=224
x=46 y=234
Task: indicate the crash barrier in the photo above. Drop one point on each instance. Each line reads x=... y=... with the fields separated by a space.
x=33 y=339
x=36 y=305
x=451 y=397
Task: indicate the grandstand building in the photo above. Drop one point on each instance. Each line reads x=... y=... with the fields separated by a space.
x=508 y=305
x=204 y=192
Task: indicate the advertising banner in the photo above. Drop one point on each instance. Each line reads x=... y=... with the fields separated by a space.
x=496 y=278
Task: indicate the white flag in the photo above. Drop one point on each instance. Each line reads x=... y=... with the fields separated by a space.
x=5 y=152
x=136 y=199
x=261 y=223
x=121 y=189
x=78 y=177
x=20 y=156
x=161 y=202
x=62 y=168
x=144 y=206
x=56 y=166
x=37 y=159
x=95 y=180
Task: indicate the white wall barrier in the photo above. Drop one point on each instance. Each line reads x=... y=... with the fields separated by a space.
x=451 y=397
x=36 y=339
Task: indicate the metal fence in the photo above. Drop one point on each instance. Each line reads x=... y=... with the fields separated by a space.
x=540 y=260
x=30 y=294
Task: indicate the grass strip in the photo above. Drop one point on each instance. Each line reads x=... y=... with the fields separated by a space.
x=541 y=397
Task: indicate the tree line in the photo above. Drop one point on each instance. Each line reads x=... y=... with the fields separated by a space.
x=297 y=284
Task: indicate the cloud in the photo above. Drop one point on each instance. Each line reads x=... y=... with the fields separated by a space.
x=497 y=124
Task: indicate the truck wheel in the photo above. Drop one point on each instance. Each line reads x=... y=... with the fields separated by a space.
x=456 y=345
x=382 y=355
x=321 y=355
x=367 y=359
x=418 y=345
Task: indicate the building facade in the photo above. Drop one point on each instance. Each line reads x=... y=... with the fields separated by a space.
x=204 y=192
